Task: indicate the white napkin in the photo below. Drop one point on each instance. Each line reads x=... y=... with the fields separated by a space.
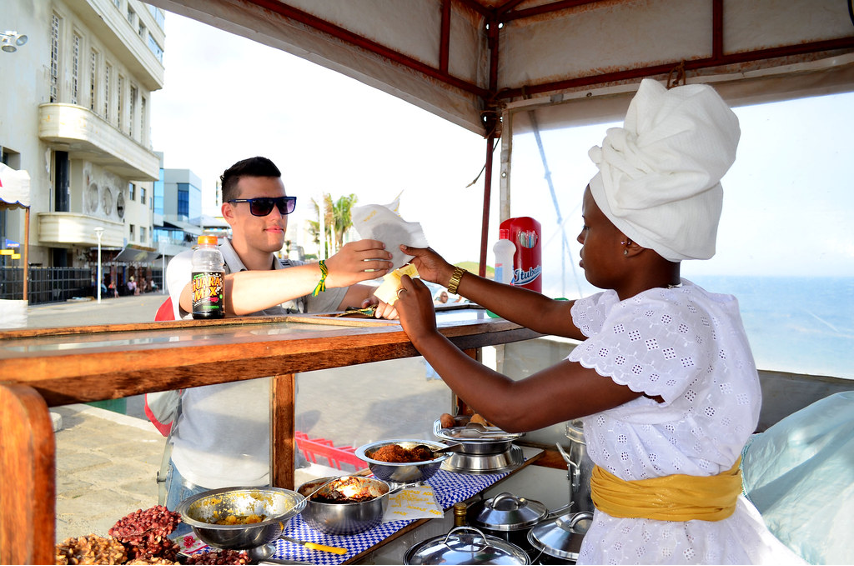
x=413 y=503
x=383 y=223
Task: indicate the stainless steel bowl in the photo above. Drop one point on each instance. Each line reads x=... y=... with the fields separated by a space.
x=404 y=472
x=345 y=518
x=276 y=504
x=479 y=440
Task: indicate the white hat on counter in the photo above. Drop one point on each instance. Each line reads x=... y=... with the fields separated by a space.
x=659 y=175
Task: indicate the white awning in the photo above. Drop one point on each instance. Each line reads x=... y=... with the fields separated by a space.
x=14 y=188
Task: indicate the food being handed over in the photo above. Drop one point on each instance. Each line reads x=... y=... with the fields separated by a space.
x=387 y=291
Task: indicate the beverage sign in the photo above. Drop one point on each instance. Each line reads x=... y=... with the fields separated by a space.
x=526 y=232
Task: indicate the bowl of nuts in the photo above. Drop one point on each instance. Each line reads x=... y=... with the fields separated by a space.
x=241 y=518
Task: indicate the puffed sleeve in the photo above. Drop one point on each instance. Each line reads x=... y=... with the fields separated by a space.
x=650 y=344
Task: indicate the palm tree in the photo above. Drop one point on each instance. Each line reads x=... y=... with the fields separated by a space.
x=337 y=220
x=342 y=218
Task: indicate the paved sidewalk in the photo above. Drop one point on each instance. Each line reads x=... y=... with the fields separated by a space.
x=106 y=465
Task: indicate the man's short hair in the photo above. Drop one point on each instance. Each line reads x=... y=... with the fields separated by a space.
x=252 y=167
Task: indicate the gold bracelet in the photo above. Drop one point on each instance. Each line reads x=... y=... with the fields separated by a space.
x=455 y=280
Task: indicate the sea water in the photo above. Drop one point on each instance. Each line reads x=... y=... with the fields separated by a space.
x=795 y=324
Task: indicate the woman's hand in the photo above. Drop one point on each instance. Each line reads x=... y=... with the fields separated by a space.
x=352 y=262
x=415 y=307
x=430 y=265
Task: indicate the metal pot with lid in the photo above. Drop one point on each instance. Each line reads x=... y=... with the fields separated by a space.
x=508 y=517
x=465 y=545
x=561 y=537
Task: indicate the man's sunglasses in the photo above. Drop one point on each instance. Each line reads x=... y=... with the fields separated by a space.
x=264 y=206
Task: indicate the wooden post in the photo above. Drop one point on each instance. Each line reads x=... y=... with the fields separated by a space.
x=27 y=478
x=27 y=252
x=282 y=428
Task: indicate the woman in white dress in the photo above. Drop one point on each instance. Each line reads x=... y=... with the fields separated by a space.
x=664 y=378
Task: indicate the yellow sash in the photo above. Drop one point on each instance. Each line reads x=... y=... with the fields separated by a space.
x=670 y=498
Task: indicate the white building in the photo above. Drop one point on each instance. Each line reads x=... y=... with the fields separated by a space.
x=75 y=112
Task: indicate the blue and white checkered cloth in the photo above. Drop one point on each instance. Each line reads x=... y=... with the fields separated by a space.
x=449 y=488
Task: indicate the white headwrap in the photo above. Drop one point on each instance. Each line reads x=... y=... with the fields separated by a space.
x=659 y=174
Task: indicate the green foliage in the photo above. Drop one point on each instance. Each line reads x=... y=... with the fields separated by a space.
x=474 y=267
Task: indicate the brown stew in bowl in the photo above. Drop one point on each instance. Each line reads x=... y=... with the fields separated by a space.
x=397 y=454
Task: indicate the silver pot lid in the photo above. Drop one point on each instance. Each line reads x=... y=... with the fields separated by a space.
x=561 y=537
x=465 y=545
x=506 y=512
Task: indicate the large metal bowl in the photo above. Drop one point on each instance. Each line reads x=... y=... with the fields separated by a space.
x=276 y=504
x=404 y=472
x=345 y=518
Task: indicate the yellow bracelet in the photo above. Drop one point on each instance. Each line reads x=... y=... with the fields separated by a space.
x=455 y=280
x=321 y=285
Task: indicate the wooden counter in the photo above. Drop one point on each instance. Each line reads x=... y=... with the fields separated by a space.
x=41 y=368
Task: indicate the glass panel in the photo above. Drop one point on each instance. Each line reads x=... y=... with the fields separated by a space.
x=356 y=405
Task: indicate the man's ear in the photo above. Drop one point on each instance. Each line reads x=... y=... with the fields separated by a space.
x=227 y=212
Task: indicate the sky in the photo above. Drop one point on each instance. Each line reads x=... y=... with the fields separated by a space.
x=789 y=198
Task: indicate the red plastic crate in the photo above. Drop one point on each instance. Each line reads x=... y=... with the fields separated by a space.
x=313 y=448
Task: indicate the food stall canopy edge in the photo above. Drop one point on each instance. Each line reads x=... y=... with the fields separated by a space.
x=572 y=62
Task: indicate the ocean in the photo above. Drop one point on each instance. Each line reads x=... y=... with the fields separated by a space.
x=794 y=324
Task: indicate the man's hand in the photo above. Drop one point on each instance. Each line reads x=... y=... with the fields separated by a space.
x=383 y=310
x=356 y=262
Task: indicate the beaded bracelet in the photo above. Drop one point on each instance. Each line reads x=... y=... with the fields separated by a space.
x=321 y=285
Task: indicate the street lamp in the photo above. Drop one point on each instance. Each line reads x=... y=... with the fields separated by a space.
x=12 y=40
x=99 y=232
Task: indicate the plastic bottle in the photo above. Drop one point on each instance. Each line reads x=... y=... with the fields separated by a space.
x=504 y=251
x=208 y=279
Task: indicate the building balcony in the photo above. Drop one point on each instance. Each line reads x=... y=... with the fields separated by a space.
x=65 y=229
x=122 y=38
x=87 y=136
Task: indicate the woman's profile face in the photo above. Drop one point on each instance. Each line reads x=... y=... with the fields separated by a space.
x=601 y=252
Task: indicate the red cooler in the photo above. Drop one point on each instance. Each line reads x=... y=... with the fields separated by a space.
x=527 y=263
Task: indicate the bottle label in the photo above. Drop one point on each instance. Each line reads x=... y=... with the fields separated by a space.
x=208 y=295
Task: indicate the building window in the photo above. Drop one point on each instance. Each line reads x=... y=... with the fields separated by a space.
x=132 y=191
x=107 y=70
x=117 y=4
x=141 y=29
x=131 y=16
x=158 y=15
x=143 y=234
x=184 y=199
x=119 y=92
x=132 y=106
x=75 y=68
x=155 y=48
x=131 y=234
x=142 y=195
x=54 y=58
x=143 y=131
x=93 y=78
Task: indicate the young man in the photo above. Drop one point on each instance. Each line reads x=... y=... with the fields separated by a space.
x=222 y=435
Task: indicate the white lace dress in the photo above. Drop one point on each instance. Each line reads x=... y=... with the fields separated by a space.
x=689 y=347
